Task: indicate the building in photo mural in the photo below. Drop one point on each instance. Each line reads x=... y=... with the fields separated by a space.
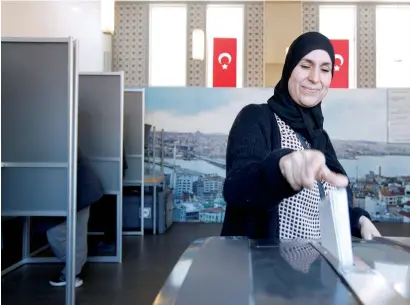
x=197 y=123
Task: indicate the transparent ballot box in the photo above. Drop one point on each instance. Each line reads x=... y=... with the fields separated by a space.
x=336 y=270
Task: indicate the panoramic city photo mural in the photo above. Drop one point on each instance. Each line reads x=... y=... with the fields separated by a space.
x=196 y=124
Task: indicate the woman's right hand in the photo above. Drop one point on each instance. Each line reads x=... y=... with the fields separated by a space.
x=302 y=168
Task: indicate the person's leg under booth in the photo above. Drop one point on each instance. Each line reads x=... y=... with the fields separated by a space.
x=57 y=238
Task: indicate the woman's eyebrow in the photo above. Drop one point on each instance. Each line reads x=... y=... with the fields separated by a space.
x=312 y=62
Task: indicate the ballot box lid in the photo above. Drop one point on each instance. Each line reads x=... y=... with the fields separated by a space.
x=227 y=271
x=239 y=271
x=390 y=257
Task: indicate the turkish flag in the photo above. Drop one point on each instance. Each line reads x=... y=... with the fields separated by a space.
x=341 y=74
x=224 y=62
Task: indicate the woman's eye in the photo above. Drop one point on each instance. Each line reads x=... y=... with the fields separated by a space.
x=305 y=66
x=325 y=70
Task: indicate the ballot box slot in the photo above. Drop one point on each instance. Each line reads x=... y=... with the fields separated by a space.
x=369 y=286
x=261 y=243
x=390 y=261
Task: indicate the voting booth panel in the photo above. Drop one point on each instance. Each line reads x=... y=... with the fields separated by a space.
x=101 y=143
x=39 y=144
x=100 y=138
x=35 y=129
x=134 y=134
x=100 y=125
x=134 y=138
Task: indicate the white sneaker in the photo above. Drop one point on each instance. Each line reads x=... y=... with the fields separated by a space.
x=60 y=281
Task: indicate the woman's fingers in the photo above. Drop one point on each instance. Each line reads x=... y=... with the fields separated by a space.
x=297 y=169
x=292 y=177
x=333 y=178
x=314 y=162
x=302 y=168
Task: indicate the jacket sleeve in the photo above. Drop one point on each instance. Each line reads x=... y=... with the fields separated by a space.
x=354 y=214
x=89 y=185
x=253 y=178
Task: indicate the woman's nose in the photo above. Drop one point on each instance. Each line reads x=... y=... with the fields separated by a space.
x=314 y=75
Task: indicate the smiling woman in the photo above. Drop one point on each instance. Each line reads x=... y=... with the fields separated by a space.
x=280 y=162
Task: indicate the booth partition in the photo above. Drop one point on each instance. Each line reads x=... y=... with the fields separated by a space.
x=39 y=137
x=134 y=139
x=144 y=200
x=100 y=137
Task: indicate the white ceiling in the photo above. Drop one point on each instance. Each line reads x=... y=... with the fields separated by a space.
x=216 y=1
x=327 y=1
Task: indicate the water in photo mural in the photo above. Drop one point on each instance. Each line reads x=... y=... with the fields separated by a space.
x=197 y=122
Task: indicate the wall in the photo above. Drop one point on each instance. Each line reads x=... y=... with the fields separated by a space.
x=197 y=121
x=131 y=42
x=80 y=19
x=196 y=69
x=366 y=46
x=282 y=24
x=266 y=39
x=254 y=44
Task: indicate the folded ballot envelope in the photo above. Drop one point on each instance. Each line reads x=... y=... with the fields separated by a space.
x=335 y=227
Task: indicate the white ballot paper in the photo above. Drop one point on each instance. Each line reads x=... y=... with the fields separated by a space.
x=335 y=227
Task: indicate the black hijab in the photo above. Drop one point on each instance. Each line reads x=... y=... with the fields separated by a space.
x=308 y=122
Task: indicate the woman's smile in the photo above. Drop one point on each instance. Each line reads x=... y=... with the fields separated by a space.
x=310 y=90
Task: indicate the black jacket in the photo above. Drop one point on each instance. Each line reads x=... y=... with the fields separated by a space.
x=254 y=185
x=89 y=186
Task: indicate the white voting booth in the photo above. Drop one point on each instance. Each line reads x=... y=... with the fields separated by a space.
x=39 y=136
x=49 y=110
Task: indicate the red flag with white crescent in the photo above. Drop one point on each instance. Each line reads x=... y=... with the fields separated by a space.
x=224 y=62
x=341 y=74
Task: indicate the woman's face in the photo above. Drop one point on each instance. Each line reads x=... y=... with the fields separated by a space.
x=311 y=78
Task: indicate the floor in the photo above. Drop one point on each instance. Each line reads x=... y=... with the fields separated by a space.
x=146 y=264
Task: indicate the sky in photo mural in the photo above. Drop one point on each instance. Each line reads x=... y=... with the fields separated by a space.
x=197 y=123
